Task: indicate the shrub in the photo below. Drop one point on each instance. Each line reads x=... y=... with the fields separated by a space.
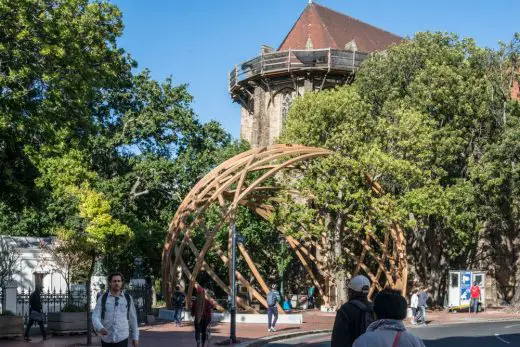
x=73 y=308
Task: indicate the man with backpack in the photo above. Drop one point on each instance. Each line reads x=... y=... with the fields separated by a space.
x=273 y=298
x=178 y=305
x=115 y=317
x=354 y=316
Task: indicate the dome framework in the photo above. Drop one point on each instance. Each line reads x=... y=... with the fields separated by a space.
x=244 y=181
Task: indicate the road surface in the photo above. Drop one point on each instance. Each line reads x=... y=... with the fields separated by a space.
x=502 y=334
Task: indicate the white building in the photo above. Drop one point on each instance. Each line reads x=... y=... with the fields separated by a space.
x=36 y=265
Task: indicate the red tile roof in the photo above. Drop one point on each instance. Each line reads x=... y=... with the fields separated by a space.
x=330 y=29
x=515 y=92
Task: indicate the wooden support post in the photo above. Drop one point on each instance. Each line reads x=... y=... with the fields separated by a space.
x=309 y=271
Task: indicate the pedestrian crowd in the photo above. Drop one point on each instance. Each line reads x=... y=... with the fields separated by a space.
x=358 y=323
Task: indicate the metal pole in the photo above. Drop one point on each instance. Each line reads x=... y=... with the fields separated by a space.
x=233 y=311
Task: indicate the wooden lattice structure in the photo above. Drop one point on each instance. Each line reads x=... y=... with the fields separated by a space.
x=230 y=185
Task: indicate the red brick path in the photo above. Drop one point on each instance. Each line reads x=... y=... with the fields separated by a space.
x=166 y=334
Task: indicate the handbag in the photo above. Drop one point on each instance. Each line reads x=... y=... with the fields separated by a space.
x=36 y=316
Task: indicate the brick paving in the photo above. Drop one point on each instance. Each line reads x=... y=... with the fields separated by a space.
x=166 y=334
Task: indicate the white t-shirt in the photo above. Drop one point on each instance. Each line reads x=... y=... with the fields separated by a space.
x=414 y=301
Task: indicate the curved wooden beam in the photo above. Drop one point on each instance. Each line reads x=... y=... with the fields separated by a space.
x=230 y=186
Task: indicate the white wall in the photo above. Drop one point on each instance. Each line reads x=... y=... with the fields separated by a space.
x=34 y=261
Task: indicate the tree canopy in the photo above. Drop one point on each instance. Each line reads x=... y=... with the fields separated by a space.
x=89 y=146
x=433 y=122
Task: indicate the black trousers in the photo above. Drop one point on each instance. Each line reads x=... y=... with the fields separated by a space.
x=30 y=324
x=201 y=329
x=123 y=343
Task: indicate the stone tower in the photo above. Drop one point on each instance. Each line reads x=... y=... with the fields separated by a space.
x=323 y=49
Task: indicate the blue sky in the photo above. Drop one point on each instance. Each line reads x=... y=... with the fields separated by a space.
x=199 y=41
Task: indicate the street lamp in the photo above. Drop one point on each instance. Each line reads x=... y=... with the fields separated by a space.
x=233 y=309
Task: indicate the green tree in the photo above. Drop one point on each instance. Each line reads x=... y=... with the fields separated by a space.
x=72 y=112
x=57 y=58
x=418 y=119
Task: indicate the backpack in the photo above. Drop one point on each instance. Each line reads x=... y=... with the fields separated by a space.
x=104 y=303
x=367 y=314
x=272 y=298
x=178 y=300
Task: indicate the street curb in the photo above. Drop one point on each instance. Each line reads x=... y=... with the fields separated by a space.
x=497 y=320
x=267 y=339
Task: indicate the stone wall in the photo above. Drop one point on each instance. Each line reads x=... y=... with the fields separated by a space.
x=261 y=122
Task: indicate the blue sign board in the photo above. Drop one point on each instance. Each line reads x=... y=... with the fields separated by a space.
x=465 y=287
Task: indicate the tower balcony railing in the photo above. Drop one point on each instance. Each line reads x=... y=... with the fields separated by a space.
x=280 y=62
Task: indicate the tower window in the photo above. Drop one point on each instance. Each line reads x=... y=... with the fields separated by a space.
x=286 y=105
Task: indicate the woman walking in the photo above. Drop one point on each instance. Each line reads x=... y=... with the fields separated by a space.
x=201 y=313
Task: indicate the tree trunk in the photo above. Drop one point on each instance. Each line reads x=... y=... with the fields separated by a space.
x=427 y=253
x=154 y=294
x=89 y=313
x=341 y=289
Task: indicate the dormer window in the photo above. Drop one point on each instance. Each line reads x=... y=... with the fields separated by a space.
x=351 y=46
x=309 y=45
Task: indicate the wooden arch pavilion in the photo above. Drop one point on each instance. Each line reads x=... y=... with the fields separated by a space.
x=240 y=181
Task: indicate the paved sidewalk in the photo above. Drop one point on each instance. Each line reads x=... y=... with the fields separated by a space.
x=166 y=334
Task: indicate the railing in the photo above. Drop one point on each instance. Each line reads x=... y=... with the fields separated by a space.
x=293 y=60
x=142 y=297
x=52 y=301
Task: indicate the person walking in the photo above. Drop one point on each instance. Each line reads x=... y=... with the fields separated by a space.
x=475 y=297
x=115 y=317
x=273 y=298
x=388 y=330
x=286 y=304
x=414 y=302
x=101 y=291
x=311 y=291
x=201 y=313
x=178 y=300
x=421 y=306
x=35 y=313
x=354 y=316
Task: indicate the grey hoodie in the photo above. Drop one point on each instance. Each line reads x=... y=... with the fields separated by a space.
x=381 y=333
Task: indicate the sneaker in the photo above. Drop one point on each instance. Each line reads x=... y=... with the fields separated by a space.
x=273 y=329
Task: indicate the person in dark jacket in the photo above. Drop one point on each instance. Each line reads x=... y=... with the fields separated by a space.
x=35 y=304
x=102 y=290
x=389 y=330
x=273 y=298
x=354 y=316
x=178 y=305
